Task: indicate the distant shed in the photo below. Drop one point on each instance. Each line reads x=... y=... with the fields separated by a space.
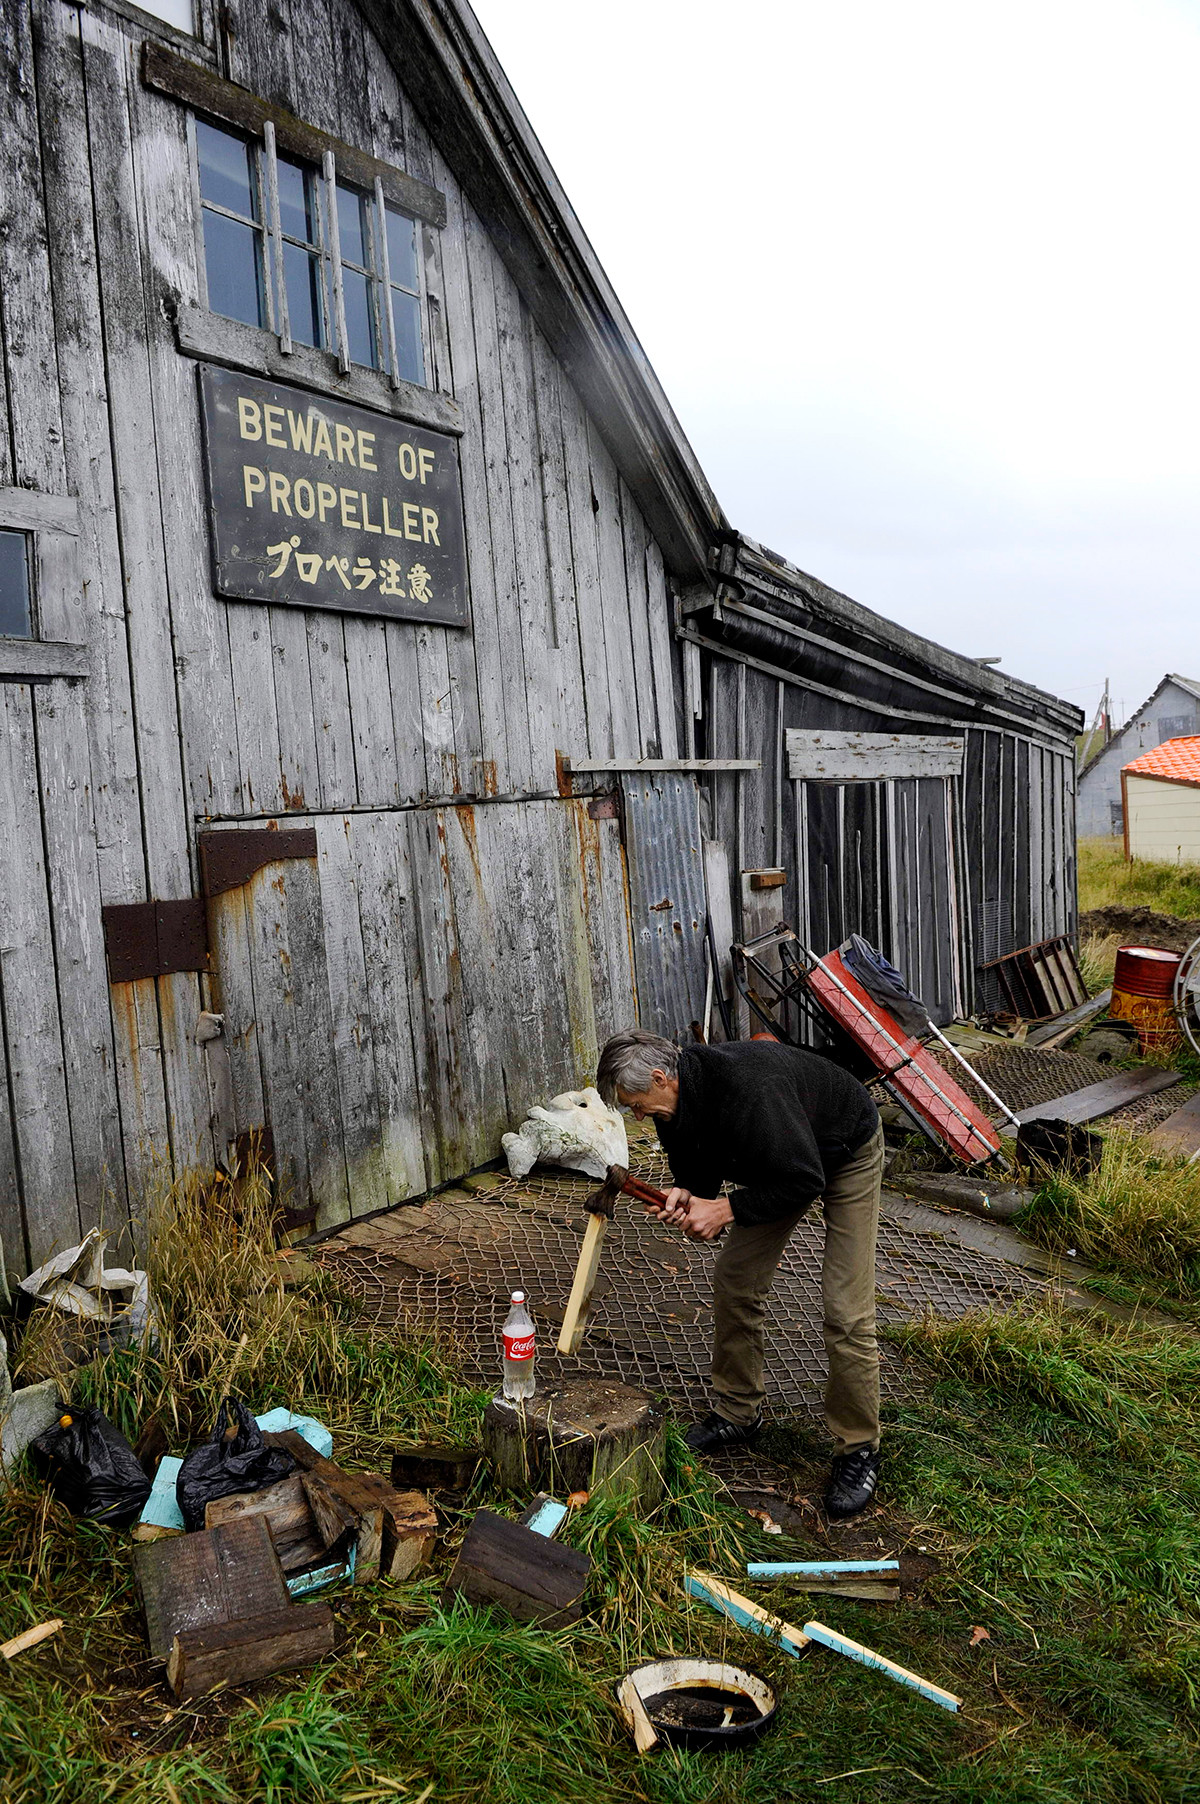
x=1161 y=796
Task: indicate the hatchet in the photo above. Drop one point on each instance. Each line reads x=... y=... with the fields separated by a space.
x=601 y=1208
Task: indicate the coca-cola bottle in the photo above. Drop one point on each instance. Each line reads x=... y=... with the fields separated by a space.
x=518 y=1350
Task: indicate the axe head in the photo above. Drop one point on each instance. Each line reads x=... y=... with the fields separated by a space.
x=603 y=1201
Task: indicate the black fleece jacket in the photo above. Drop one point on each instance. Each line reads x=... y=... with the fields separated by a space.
x=774 y=1120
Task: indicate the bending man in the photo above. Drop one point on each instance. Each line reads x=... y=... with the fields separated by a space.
x=784 y=1126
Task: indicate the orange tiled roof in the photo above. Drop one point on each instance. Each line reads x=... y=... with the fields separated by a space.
x=1178 y=758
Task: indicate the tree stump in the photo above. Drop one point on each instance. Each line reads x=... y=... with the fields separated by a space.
x=587 y=1434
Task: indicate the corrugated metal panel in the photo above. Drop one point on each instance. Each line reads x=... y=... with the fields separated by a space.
x=666 y=899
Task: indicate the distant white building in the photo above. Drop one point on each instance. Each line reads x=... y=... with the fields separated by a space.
x=1162 y=803
x=1172 y=712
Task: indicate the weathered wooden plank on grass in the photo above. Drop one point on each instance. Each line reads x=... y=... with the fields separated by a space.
x=1096 y=1100
x=747 y=1614
x=1180 y=1132
x=534 y=1579
x=854 y=1650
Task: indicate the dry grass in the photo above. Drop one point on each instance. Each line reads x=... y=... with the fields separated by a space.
x=1097 y=961
x=1139 y=1215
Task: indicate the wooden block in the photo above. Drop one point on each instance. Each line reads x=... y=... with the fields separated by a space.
x=854 y=1650
x=287 y=1511
x=236 y=1653
x=645 y=1735
x=747 y=1614
x=331 y=1513
x=534 y=1579
x=215 y=1576
x=579 y=1303
x=409 y=1533
x=436 y=1468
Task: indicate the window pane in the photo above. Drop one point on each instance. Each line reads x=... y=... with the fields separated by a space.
x=226 y=175
x=14 y=585
x=176 y=12
x=305 y=314
x=402 y=249
x=352 y=225
x=233 y=260
x=297 y=202
x=360 y=326
x=410 y=354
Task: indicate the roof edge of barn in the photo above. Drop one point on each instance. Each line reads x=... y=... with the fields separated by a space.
x=455 y=81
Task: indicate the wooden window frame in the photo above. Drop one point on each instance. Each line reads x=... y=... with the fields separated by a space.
x=51 y=524
x=268 y=131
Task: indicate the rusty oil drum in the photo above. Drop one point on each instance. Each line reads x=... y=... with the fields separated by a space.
x=1141 y=994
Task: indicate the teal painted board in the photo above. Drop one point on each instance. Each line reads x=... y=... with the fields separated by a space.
x=854 y=1650
x=315 y=1433
x=549 y=1519
x=161 y=1509
x=757 y=1625
x=762 y=1569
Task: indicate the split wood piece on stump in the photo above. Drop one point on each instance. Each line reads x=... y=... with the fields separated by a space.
x=534 y=1579
x=214 y=1576
x=579 y=1303
x=645 y=1735
x=436 y=1468
x=288 y=1515
x=589 y=1434
x=746 y=1613
x=854 y=1650
x=236 y=1653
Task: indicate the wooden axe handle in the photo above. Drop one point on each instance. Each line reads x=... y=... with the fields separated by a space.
x=644 y=1193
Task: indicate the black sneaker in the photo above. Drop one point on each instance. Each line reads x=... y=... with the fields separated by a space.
x=715 y=1433
x=852 y=1482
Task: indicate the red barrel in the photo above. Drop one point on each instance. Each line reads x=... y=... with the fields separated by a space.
x=1142 y=986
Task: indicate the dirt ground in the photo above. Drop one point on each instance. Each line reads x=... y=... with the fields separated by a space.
x=1140 y=926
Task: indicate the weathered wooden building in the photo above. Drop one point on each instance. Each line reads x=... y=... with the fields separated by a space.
x=344 y=533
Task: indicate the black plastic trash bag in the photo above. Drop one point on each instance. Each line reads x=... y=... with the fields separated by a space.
x=91 y=1467
x=236 y=1458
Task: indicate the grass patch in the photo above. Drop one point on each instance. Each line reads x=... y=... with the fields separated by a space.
x=1051 y=1466
x=1138 y=1216
x=1107 y=880
x=1098 y=961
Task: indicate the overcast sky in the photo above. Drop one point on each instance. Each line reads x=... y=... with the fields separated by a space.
x=922 y=283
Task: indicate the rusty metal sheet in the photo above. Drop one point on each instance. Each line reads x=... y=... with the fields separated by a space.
x=666 y=899
x=227 y=860
x=152 y=939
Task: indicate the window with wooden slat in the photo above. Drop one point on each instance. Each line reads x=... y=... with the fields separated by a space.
x=294 y=249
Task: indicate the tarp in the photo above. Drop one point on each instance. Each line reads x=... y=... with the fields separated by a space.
x=884 y=984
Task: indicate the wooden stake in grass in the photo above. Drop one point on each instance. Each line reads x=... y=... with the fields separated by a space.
x=30 y=1637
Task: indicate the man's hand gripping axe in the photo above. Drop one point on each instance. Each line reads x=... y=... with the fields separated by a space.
x=601 y=1208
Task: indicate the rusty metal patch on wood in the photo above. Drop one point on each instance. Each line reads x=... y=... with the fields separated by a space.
x=227 y=860
x=153 y=939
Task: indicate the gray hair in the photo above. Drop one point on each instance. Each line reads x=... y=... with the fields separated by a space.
x=629 y=1061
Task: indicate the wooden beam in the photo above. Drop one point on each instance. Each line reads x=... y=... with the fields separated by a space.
x=854 y=1650
x=214 y=1576
x=28 y=510
x=575 y=1320
x=534 y=1579
x=1101 y=1099
x=746 y=1613
x=237 y=1653
x=1180 y=1132
x=40 y=660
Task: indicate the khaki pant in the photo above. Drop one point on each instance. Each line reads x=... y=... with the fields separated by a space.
x=745 y=1271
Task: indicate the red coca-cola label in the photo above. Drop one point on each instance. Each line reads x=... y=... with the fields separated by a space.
x=519 y=1346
